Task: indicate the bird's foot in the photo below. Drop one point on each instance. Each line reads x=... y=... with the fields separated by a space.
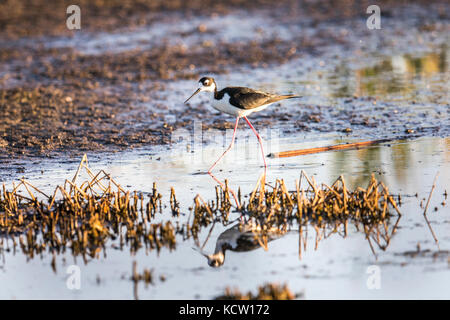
x=199 y=173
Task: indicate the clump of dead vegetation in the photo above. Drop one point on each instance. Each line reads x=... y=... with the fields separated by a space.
x=81 y=217
x=204 y=213
x=268 y=291
x=327 y=209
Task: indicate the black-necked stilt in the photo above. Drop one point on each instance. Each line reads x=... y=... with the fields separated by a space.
x=240 y=238
x=238 y=102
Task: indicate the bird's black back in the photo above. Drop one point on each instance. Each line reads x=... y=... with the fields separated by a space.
x=246 y=98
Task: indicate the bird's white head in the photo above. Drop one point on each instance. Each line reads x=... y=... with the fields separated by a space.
x=204 y=84
x=207 y=84
x=214 y=260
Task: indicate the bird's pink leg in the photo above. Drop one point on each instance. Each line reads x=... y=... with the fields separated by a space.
x=238 y=205
x=228 y=149
x=260 y=142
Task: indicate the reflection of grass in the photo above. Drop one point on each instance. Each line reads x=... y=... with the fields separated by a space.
x=401 y=160
x=446 y=142
x=402 y=155
x=371 y=159
x=392 y=75
x=345 y=162
x=376 y=70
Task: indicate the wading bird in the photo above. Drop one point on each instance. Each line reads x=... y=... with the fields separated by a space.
x=238 y=102
x=241 y=237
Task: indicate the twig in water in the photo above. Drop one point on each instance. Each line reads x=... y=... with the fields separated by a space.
x=293 y=153
x=425 y=212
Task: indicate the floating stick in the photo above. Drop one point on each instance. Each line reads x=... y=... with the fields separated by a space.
x=300 y=152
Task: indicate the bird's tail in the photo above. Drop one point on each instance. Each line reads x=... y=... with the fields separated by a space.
x=283 y=97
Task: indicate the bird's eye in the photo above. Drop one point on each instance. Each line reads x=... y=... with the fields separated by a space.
x=206 y=83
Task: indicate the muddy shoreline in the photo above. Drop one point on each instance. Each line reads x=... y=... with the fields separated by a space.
x=60 y=100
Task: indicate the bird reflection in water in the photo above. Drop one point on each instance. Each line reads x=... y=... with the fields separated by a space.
x=241 y=237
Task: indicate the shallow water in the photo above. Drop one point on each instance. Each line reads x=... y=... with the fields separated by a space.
x=337 y=269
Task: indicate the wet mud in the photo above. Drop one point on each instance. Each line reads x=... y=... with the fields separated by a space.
x=67 y=91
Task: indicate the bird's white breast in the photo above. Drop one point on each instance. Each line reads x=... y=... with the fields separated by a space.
x=223 y=105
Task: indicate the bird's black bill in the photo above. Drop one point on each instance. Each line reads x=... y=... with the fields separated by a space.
x=201 y=252
x=198 y=90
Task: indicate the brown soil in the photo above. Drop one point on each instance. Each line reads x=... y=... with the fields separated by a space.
x=59 y=100
x=79 y=102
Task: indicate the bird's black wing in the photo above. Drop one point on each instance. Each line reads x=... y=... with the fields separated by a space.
x=246 y=98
